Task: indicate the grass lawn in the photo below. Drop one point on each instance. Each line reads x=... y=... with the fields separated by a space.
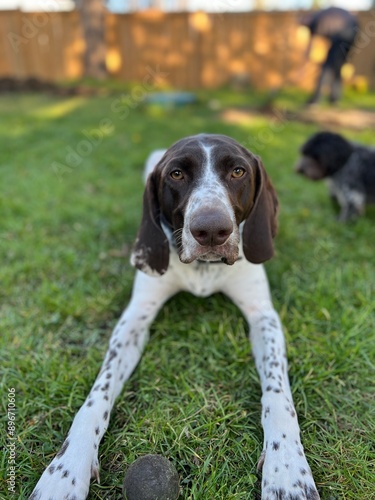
x=69 y=214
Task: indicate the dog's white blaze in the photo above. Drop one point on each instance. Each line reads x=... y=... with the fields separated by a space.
x=210 y=193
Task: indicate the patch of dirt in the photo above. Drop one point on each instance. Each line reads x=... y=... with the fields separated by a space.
x=239 y=116
x=355 y=119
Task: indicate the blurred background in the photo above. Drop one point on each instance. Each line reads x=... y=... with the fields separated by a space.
x=194 y=45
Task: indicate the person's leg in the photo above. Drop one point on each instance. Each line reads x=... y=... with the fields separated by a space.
x=338 y=55
x=324 y=80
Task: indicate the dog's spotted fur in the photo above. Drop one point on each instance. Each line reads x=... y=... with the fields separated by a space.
x=208 y=202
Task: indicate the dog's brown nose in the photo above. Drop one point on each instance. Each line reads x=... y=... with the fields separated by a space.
x=211 y=228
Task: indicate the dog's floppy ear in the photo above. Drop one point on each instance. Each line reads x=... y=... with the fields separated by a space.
x=261 y=225
x=151 y=249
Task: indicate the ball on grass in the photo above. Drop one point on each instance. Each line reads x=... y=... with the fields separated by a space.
x=151 y=477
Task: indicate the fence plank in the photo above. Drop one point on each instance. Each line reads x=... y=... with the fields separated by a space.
x=191 y=50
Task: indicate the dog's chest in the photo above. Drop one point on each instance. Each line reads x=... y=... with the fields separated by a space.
x=204 y=279
x=199 y=278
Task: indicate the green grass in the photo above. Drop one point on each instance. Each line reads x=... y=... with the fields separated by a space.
x=66 y=228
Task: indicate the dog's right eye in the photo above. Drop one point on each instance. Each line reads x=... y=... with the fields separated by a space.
x=177 y=175
x=238 y=172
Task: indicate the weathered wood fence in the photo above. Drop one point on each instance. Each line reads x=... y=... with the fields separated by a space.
x=183 y=50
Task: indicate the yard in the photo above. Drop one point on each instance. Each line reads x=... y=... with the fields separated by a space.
x=71 y=172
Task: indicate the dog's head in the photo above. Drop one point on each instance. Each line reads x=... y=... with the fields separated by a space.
x=201 y=191
x=322 y=155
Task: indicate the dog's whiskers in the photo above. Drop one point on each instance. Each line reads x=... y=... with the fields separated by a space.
x=177 y=235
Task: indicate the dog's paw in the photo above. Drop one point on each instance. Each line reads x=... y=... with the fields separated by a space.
x=286 y=474
x=68 y=476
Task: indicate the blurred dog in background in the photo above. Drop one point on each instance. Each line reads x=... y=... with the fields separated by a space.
x=348 y=167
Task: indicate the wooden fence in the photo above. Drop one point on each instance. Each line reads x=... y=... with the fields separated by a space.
x=183 y=50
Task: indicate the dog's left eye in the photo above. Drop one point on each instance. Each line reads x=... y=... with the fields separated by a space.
x=177 y=175
x=238 y=172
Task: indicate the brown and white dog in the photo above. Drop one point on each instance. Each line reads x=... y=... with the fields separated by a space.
x=209 y=219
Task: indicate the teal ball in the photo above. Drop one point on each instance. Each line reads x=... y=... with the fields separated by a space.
x=151 y=477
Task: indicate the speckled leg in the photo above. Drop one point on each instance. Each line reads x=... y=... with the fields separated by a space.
x=68 y=476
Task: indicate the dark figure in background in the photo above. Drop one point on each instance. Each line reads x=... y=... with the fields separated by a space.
x=340 y=27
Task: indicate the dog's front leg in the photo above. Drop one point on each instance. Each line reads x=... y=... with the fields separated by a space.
x=285 y=471
x=68 y=476
x=352 y=207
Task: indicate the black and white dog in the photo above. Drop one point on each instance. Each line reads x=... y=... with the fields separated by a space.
x=209 y=219
x=348 y=167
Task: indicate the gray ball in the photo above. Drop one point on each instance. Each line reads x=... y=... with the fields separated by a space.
x=151 y=477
